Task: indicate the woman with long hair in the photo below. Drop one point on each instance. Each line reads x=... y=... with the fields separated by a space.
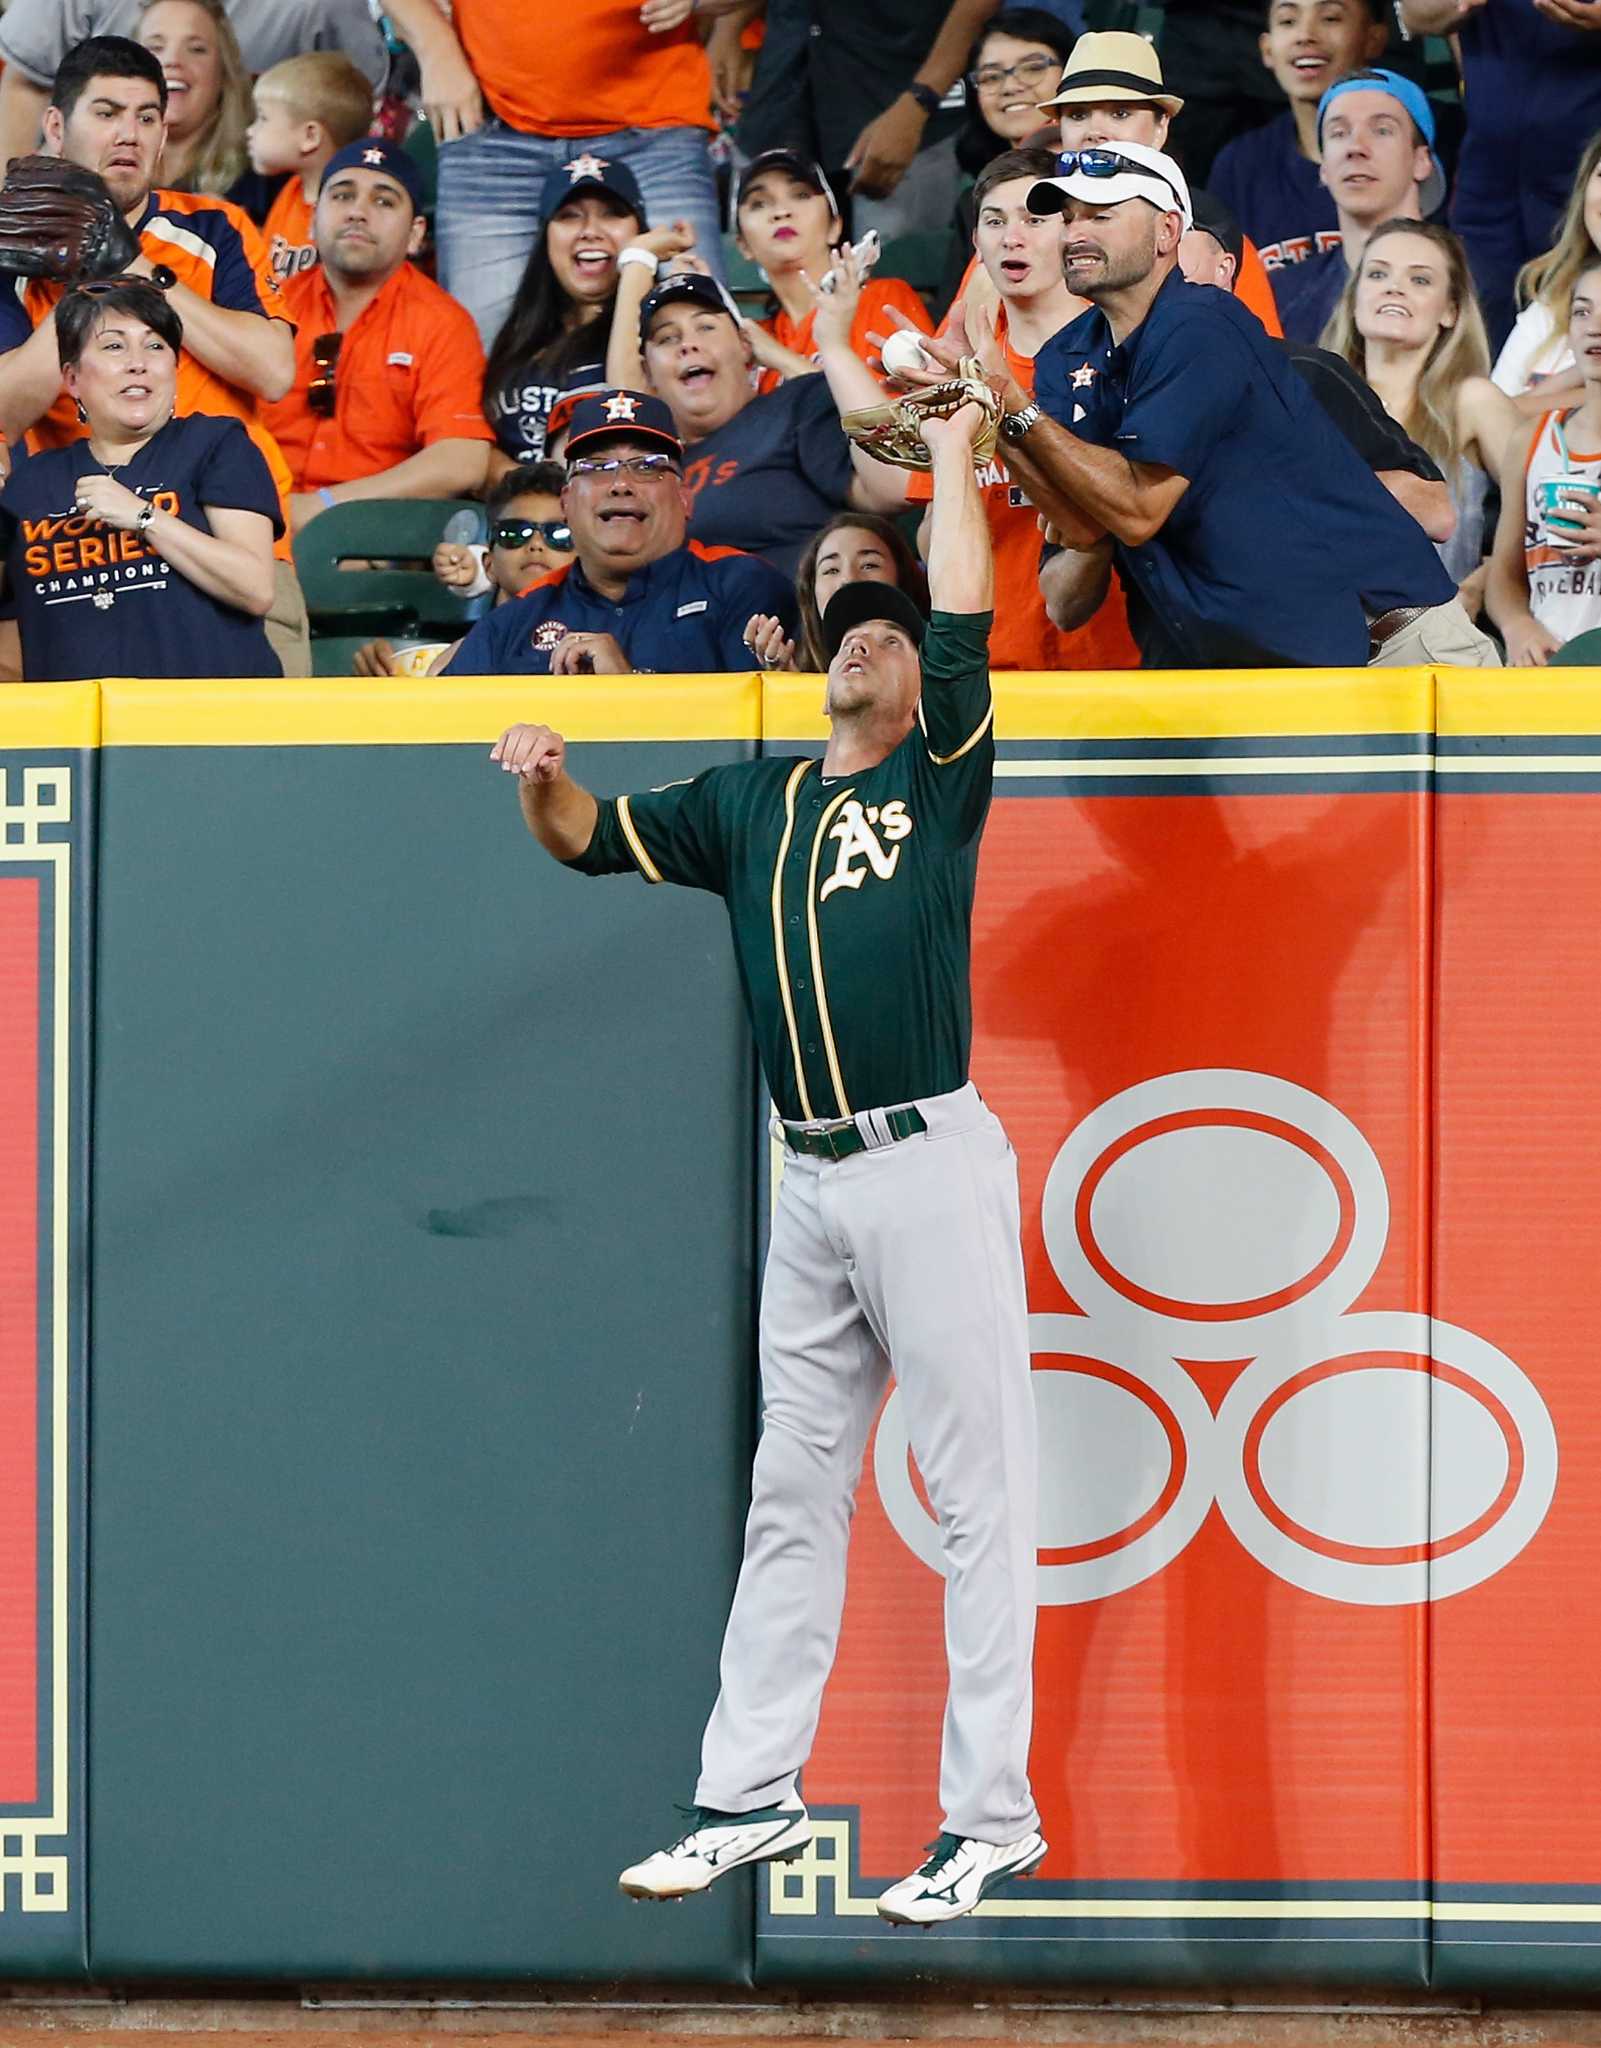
x=152 y=533
x=554 y=337
x=208 y=95
x=1409 y=323
x=1536 y=366
x=852 y=547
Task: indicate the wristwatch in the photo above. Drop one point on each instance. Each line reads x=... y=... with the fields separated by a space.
x=1014 y=425
x=142 y=523
x=925 y=95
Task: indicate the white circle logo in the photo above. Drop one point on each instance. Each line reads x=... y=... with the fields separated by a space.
x=1382 y=1458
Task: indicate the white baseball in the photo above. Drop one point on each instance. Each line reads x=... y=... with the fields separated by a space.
x=903 y=351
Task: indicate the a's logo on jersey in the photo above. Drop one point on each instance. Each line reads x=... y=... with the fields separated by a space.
x=585 y=166
x=547 y=634
x=621 y=407
x=1083 y=376
x=857 y=831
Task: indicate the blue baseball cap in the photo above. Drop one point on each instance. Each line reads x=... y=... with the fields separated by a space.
x=587 y=172
x=1413 y=98
x=607 y=415
x=388 y=159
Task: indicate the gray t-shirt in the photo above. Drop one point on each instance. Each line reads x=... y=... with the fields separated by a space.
x=36 y=34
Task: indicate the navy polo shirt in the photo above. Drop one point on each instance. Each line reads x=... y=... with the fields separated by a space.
x=1285 y=544
x=682 y=615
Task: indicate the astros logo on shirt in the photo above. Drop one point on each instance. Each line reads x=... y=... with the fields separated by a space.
x=548 y=634
x=858 y=840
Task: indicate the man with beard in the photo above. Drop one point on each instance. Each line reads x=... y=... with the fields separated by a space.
x=387 y=366
x=1171 y=434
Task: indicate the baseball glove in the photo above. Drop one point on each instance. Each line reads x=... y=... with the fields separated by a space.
x=893 y=432
x=58 y=221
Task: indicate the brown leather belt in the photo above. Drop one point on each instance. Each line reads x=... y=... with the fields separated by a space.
x=1388 y=624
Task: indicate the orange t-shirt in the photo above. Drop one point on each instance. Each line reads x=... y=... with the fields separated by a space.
x=409 y=372
x=584 y=70
x=287 y=232
x=1022 y=635
x=215 y=249
x=872 y=317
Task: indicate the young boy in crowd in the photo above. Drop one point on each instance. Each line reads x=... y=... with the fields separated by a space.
x=1268 y=177
x=306 y=108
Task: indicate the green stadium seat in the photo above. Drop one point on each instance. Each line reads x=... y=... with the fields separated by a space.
x=399 y=594
x=1582 y=651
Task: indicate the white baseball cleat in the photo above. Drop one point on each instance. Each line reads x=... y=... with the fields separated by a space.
x=715 y=1844
x=960 y=1872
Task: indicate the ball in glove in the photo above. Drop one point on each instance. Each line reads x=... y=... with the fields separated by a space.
x=893 y=432
x=58 y=221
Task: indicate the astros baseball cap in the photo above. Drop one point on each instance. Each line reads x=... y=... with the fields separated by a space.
x=587 y=172
x=1213 y=218
x=1416 y=102
x=798 y=166
x=1106 y=175
x=694 y=287
x=372 y=153
x=606 y=415
x=853 y=604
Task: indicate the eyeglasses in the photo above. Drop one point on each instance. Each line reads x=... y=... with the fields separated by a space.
x=1107 y=163
x=630 y=465
x=320 y=393
x=517 y=533
x=1028 y=71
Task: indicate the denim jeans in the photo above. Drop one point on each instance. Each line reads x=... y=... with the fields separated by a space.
x=487 y=217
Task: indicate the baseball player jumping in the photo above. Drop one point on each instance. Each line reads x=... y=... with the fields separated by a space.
x=895 y=1240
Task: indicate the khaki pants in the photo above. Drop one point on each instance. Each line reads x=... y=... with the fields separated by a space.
x=288 y=628
x=1445 y=636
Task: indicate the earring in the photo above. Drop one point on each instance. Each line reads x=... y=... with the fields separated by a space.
x=83 y=417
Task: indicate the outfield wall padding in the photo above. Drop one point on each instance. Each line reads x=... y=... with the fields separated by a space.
x=415 y=1230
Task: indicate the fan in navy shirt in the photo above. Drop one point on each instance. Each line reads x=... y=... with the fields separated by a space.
x=147 y=544
x=640 y=597
x=1246 y=529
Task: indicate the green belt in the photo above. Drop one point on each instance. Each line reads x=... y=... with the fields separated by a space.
x=841 y=1140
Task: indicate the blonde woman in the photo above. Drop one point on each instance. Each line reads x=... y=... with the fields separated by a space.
x=1409 y=323
x=1536 y=367
x=208 y=94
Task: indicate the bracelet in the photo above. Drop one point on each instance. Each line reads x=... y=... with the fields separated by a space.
x=326 y=495
x=142 y=523
x=925 y=95
x=635 y=254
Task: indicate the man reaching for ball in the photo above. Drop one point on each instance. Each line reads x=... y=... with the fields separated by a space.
x=895 y=1241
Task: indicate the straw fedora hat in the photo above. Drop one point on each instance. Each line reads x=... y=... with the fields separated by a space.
x=1113 y=64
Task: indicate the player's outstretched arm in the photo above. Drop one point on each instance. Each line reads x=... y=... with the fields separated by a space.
x=560 y=814
x=961 y=561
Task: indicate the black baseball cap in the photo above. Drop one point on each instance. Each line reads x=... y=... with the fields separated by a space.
x=587 y=172
x=693 y=287
x=610 y=415
x=798 y=166
x=853 y=604
x=1213 y=218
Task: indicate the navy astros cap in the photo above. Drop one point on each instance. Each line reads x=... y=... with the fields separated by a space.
x=608 y=415
x=692 y=286
x=1213 y=218
x=853 y=604
x=372 y=153
x=587 y=172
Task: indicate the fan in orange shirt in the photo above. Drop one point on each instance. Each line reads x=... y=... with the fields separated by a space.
x=1021 y=254
x=787 y=220
x=306 y=108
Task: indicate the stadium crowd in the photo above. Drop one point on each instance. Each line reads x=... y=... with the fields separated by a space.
x=1292 y=312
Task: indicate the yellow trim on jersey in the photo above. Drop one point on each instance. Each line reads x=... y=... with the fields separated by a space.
x=967 y=746
x=636 y=845
x=817 y=958
x=50 y=715
x=790 y=787
x=430 y=711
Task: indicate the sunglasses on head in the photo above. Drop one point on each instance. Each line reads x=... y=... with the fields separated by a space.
x=517 y=533
x=321 y=395
x=1107 y=163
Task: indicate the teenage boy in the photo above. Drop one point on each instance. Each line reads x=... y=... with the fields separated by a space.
x=1268 y=177
x=306 y=108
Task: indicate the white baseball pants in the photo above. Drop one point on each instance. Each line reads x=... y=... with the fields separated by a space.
x=905 y=1257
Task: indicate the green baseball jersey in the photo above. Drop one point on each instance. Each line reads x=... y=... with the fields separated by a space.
x=850 y=897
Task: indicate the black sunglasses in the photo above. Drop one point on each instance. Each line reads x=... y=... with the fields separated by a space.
x=1108 y=163
x=517 y=533
x=320 y=393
